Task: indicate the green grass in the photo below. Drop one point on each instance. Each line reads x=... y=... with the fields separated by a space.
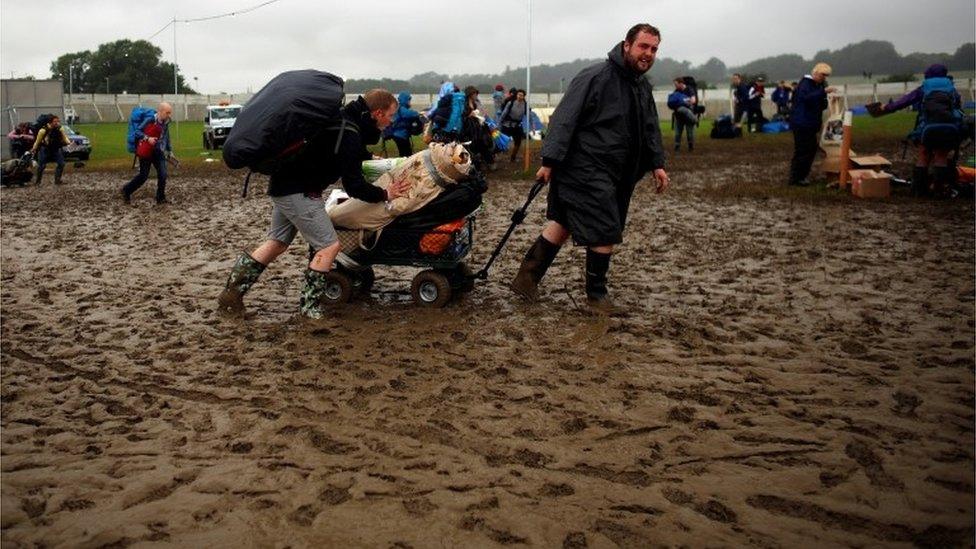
x=108 y=140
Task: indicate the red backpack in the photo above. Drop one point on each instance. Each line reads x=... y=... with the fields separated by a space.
x=144 y=149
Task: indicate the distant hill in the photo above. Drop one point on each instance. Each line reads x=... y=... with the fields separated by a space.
x=877 y=57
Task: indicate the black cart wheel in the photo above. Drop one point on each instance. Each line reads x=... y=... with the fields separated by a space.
x=338 y=288
x=430 y=289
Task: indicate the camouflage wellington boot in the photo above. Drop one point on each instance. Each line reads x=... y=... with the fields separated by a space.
x=537 y=261
x=310 y=303
x=244 y=274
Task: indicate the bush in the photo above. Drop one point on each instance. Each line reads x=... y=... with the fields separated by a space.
x=903 y=77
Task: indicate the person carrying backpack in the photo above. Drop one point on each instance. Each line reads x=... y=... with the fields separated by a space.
x=48 y=147
x=806 y=118
x=511 y=120
x=296 y=189
x=682 y=104
x=153 y=147
x=406 y=123
x=938 y=128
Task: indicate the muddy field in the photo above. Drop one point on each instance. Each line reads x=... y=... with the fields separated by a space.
x=794 y=369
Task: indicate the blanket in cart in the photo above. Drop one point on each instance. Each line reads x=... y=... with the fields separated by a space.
x=430 y=172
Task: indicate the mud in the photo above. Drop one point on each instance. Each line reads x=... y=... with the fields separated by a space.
x=793 y=369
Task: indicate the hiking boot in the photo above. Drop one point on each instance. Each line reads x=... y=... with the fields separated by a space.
x=537 y=261
x=243 y=275
x=125 y=196
x=310 y=303
x=920 y=181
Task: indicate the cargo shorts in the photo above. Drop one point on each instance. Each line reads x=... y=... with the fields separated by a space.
x=301 y=213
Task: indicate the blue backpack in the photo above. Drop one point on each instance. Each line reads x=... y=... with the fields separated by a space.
x=939 y=122
x=138 y=117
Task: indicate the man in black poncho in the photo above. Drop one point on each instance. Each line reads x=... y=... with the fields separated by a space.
x=602 y=139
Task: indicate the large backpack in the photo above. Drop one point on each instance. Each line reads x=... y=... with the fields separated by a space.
x=289 y=111
x=137 y=118
x=724 y=128
x=41 y=121
x=939 y=121
x=692 y=85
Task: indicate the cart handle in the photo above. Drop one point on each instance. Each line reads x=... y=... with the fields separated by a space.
x=518 y=216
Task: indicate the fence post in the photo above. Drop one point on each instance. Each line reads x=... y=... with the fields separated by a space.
x=118 y=108
x=875 y=92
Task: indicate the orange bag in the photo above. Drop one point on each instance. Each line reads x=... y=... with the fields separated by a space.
x=436 y=241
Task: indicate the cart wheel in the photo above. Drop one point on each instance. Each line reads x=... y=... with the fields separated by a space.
x=364 y=280
x=338 y=288
x=464 y=272
x=430 y=289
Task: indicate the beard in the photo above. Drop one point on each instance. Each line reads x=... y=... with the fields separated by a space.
x=637 y=64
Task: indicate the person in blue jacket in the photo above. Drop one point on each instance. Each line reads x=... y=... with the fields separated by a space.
x=682 y=105
x=809 y=103
x=938 y=128
x=403 y=121
x=781 y=98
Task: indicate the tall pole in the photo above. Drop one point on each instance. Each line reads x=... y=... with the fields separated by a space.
x=71 y=81
x=528 y=88
x=176 y=89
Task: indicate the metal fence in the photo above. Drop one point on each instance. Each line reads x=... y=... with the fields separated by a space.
x=116 y=108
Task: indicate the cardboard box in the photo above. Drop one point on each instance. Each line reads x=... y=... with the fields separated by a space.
x=873 y=162
x=870 y=184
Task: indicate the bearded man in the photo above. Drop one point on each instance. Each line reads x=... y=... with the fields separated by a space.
x=603 y=138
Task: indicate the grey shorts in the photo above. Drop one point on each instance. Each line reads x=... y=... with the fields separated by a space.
x=297 y=213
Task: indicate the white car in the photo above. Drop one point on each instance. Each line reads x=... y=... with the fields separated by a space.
x=218 y=123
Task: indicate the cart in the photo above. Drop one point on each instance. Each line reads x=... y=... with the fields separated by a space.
x=443 y=275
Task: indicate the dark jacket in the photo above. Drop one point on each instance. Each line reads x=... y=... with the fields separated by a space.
x=781 y=96
x=605 y=132
x=741 y=93
x=321 y=164
x=809 y=102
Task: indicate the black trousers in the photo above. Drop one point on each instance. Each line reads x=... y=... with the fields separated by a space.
x=804 y=152
x=157 y=161
x=404 y=148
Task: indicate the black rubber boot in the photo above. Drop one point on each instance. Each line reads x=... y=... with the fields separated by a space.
x=58 y=171
x=920 y=181
x=537 y=261
x=597 y=265
x=310 y=304
x=944 y=179
x=243 y=275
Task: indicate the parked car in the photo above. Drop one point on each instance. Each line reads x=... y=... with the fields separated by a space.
x=217 y=124
x=80 y=147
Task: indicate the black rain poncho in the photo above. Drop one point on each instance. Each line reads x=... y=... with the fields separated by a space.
x=602 y=139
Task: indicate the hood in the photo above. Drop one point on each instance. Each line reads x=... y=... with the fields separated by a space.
x=936 y=70
x=358 y=112
x=616 y=56
x=446 y=88
x=404 y=99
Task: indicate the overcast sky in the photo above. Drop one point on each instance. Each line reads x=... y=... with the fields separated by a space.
x=400 y=39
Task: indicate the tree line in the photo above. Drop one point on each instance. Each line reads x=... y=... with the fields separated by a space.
x=137 y=67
